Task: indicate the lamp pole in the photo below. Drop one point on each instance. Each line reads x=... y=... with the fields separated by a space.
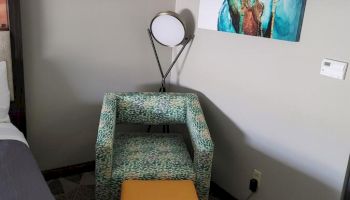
x=165 y=75
x=168 y=30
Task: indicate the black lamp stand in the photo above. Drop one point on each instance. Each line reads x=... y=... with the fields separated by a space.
x=165 y=75
x=162 y=88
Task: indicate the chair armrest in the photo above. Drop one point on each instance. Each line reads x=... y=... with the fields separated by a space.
x=104 y=145
x=202 y=144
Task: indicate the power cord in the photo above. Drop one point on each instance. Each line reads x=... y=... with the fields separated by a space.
x=253 y=187
x=250 y=196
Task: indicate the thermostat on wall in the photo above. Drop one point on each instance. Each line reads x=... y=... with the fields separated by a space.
x=334 y=69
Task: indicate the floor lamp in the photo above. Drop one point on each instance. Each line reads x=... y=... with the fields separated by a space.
x=169 y=30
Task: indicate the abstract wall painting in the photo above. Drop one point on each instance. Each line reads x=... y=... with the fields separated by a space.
x=276 y=19
x=3 y=15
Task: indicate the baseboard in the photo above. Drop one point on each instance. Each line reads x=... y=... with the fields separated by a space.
x=217 y=191
x=69 y=170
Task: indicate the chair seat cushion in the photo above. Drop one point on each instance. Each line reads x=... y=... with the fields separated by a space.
x=158 y=190
x=151 y=156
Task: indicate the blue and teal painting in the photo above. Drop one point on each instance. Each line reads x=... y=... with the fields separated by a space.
x=277 y=19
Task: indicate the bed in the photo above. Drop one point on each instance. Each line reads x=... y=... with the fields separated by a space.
x=20 y=176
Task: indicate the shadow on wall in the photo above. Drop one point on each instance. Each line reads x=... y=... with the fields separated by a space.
x=235 y=159
x=53 y=115
x=54 y=108
x=190 y=23
x=189 y=20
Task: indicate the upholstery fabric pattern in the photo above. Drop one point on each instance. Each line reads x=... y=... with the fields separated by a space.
x=151 y=157
x=120 y=157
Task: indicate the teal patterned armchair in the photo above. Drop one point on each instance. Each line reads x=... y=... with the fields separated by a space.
x=162 y=156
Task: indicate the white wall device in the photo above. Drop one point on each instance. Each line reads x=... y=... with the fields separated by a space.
x=334 y=69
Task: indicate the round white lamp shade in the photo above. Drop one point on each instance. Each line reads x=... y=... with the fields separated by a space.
x=168 y=29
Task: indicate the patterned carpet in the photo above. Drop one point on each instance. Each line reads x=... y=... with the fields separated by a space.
x=77 y=187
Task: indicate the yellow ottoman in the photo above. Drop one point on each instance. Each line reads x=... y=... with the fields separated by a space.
x=158 y=190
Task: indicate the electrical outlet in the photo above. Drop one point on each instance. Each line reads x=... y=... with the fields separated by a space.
x=257 y=175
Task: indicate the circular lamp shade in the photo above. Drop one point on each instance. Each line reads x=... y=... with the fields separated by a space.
x=168 y=29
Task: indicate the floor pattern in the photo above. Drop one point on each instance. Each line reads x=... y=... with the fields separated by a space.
x=77 y=187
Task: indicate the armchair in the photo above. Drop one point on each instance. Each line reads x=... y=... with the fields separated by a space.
x=122 y=156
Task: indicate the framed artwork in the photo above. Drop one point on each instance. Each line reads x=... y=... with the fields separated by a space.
x=276 y=19
x=4 y=25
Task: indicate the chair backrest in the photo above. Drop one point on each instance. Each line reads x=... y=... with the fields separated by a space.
x=151 y=108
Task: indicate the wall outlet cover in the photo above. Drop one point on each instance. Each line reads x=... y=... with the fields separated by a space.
x=257 y=175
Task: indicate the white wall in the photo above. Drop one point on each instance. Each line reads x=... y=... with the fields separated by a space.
x=268 y=108
x=265 y=102
x=74 y=52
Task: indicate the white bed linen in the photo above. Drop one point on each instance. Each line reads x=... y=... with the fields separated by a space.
x=9 y=132
x=5 y=55
x=4 y=94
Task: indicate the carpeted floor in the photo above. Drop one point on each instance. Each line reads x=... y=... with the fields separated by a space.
x=77 y=187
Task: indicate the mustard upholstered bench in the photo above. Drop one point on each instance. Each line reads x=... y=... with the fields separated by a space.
x=158 y=190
